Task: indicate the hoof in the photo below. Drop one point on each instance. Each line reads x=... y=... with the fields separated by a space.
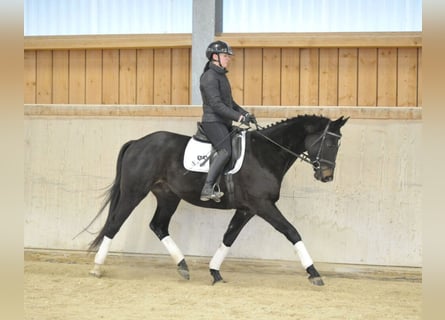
x=183 y=270
x=95 y=272
x=216 y=276
x=316 y=281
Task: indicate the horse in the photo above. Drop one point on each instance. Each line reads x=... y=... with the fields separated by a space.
x=154 y=163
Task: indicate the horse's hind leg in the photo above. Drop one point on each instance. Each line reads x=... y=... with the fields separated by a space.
x=167 y=204
x=127 y=203
x=239 y=220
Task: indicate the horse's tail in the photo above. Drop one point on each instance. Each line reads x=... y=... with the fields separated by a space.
x=112 y=198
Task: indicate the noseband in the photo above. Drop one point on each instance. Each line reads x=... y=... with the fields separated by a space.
x=304 y=156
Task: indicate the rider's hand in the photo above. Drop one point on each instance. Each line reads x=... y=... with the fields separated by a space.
x=247 y=119
x=252 y=118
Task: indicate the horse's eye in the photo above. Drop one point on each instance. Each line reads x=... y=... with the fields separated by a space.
x=332 y=144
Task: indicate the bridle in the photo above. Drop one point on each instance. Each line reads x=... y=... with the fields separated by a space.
x=316 y=163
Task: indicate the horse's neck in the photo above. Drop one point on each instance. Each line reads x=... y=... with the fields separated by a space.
x=289 y=136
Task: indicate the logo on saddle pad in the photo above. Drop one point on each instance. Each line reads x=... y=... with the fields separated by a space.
x=197 y=154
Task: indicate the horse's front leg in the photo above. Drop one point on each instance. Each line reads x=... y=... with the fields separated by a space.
x=269 y=212
x=239 y=220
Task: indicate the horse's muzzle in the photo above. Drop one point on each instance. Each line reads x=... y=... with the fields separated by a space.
x=324 y=174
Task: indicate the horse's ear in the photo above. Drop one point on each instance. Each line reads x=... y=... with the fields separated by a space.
x=341 y=121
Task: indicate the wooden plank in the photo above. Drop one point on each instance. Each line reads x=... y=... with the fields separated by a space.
x=280 y=112
x=347 y=77
x=290 y=76
x=162 y=76
x=407 y=77
x=247 y=40
x=271 y=76
x=253 y=75
x=30 y=74
x=309 y=76
x=77 y=76
x=367 y=77
x=387 y=77
x=328 y=95
x=180 y=76
x=323 y=39
x=145 y=71
x=236 y=75
x=60 y=76
x=419 y=78
x=93 y=94
x=44 y=76
x=127 y=76
x=110 y=76
x=114 y=41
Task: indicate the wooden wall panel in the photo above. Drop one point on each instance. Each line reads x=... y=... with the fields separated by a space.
x=287 y=75
x=387 y=77
x=144 y=76
x=347 y=76
x=407 y=77
x=419 y=78
x=30 y=76
x=76 y=78
x=271 y=75
x=60 y=76
x=110 y=79
x=93 y=88
x=180 y=93
x=253 y=76
x=328 y=91
x=236 y=75
x=367 y=77
x=127 y=76
x=290 y=76
x=309 y=76
x=44 y=76
x=162 y=76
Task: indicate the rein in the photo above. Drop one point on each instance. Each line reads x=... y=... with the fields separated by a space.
x=304 y=156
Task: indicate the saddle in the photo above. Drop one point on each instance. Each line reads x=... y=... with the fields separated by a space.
x=199 y=152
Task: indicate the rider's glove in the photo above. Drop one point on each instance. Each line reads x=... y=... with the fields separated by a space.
x=247 y=119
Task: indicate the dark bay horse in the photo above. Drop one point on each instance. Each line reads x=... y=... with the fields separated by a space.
x=155 y=163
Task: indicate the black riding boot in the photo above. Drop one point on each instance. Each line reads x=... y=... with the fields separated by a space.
x=216 y=166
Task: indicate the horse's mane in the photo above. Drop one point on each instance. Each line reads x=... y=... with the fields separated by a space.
x=306 y=119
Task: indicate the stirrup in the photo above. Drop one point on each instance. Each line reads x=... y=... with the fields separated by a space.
x=216 y=195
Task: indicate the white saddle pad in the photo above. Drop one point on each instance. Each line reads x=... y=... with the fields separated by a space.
x=197 y=152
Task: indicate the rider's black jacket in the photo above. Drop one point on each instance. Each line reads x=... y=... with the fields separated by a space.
x=218 y=103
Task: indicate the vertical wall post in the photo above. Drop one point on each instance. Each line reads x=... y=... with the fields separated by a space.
x=207 y=21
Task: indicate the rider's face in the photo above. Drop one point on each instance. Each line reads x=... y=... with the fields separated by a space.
x=224 y=59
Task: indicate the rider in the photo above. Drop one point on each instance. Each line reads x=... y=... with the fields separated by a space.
x=219 y=110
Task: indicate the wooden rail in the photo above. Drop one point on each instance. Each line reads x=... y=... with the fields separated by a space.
x=324 y=39
x=108 y=41
x=280 y=112
x=245 y=40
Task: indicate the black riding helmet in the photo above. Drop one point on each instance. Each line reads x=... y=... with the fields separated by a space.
x=218 y=47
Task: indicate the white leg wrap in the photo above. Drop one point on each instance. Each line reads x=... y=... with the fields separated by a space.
x=305 y=258
x=219 y=257
x=103 y=251
x=173 y=249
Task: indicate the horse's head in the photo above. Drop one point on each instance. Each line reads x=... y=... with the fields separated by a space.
x=322 y=147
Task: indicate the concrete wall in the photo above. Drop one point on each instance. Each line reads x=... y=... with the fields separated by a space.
x=369 y=214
